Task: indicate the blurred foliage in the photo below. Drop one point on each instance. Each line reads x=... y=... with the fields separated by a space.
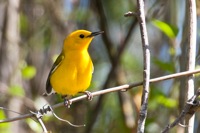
x=28 y=72
x=109 y=118
x=44 y=24
x=4 y=127
x=16 y=90
x=36 y=127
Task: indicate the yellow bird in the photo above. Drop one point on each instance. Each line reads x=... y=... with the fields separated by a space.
x=72 y=71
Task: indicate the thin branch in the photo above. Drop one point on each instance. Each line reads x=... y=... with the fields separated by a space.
x=191 y=50
x=104 y=26
x=175 y=75
x=54 y=114
x=146 y=62
x=191 y=106
x=113 y=56
x=2 y=108
x=17 y=118
x=42 y=125
x=39 y=116
x=101 y=92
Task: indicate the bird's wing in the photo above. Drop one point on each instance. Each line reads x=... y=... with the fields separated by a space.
x=54 y=67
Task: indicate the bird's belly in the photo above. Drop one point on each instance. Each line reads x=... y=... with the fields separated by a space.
x=71 y=78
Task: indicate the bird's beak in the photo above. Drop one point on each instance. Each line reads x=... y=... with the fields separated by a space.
x=95 y=33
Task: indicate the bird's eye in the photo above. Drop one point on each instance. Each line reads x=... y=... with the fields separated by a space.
x=81 y=36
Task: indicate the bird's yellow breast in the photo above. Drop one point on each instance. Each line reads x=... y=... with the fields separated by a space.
x=73 y=74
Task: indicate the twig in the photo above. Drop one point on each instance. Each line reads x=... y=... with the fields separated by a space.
x=101 y=92
x=146 y=71
x=42 y=125
x=17 y=118
x=2 y=108
x=104 y=26
x=192 y=105
x=64 y=120
x=39 y=116
x=175 y=75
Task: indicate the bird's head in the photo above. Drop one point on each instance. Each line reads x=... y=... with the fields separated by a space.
x=79 y=40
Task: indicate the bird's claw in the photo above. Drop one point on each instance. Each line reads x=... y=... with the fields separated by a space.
x=89 y=95
x=67 y=102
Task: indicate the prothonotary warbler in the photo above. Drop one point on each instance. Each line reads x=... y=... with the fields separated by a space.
x=72 y=71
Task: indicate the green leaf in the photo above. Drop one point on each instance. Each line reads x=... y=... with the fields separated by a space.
x=16 y=90
x=4 y=127
x=167 y=29
x=28 y=72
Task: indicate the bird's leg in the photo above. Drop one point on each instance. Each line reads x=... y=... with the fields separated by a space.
x=67 y=102
x=89 y=95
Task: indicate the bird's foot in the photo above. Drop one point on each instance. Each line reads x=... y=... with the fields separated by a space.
x=67 y=103
x=89 y=95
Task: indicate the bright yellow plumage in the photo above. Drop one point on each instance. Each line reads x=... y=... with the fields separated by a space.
x=72 y=71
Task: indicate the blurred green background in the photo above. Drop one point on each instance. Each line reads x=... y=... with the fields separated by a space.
x=31 y=37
